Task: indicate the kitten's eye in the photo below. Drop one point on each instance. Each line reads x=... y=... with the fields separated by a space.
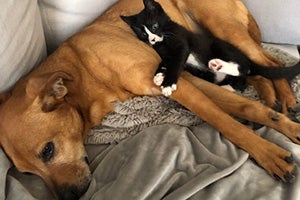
x=48 y=152
x=155 y=26
x=144 y=35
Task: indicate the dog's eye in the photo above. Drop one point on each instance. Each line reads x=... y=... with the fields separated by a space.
x=48 y=152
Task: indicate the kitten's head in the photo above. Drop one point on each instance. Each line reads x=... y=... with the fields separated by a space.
x=149 y=23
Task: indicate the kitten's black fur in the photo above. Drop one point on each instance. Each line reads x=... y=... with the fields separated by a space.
x=178 y=43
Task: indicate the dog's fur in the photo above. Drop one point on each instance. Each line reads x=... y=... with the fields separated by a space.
x=74 y=88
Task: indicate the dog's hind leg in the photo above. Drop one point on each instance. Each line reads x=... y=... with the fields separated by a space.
x=281 y=87
x=265 y=89
x=285 y=95
x=241 y=31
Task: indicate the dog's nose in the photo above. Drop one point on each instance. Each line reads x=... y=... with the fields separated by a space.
x=73 y=191
x=70 y=194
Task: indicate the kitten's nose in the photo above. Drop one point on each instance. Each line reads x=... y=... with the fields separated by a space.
x=152 y=39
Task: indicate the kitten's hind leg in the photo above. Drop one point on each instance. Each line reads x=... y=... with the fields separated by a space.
x=229 y=68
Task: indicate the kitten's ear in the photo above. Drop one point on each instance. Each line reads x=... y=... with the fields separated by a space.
x=150 y=5
x=130 y=20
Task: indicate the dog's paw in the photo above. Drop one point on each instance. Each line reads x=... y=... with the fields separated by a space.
x=158 y=79
x=278 y=162
x=167 y=91
x=277 y=106
x=294 y=113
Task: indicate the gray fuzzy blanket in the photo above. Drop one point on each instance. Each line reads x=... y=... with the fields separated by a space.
x=136 y=114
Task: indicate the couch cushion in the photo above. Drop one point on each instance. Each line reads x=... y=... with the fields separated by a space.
x=278 y=20
x=22 y=44
x=63 y=18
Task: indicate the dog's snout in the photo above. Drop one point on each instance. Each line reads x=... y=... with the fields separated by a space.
x=71 y=193
x=76 y=185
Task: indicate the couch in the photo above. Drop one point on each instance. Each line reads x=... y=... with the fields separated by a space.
x=173 y=155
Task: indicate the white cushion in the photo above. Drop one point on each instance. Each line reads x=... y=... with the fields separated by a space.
x=63 y=18
x=22 y=44
x=278 y=19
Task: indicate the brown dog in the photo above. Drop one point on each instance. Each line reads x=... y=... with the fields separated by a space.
x=45 y=117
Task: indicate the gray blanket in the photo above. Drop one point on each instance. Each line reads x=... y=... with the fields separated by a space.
x=173 y=162
x=158 y=157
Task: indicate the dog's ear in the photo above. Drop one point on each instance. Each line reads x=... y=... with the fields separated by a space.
x=51 y=89
x=4 y=96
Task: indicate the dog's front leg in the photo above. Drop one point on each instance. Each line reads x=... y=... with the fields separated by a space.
x=254 y=111
x=275 y=160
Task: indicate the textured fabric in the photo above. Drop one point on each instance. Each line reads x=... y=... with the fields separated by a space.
x=278 y=20
x=131 y=117
x=63 y=18
x=22 y=44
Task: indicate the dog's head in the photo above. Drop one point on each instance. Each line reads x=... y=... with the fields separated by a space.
x=42 y=133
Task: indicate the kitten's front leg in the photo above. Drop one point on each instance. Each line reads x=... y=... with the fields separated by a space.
x=159 y=78
x=167 y=91
x=169 y=83
x=169 y=69
x=159 y=74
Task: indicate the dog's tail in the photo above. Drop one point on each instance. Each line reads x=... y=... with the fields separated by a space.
x=275 y=72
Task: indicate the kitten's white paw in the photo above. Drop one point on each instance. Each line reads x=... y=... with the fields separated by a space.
x=158 y=79
x=167 y=91
x=174 y=87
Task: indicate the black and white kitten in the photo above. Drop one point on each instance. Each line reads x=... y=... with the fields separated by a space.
x=201 y=54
